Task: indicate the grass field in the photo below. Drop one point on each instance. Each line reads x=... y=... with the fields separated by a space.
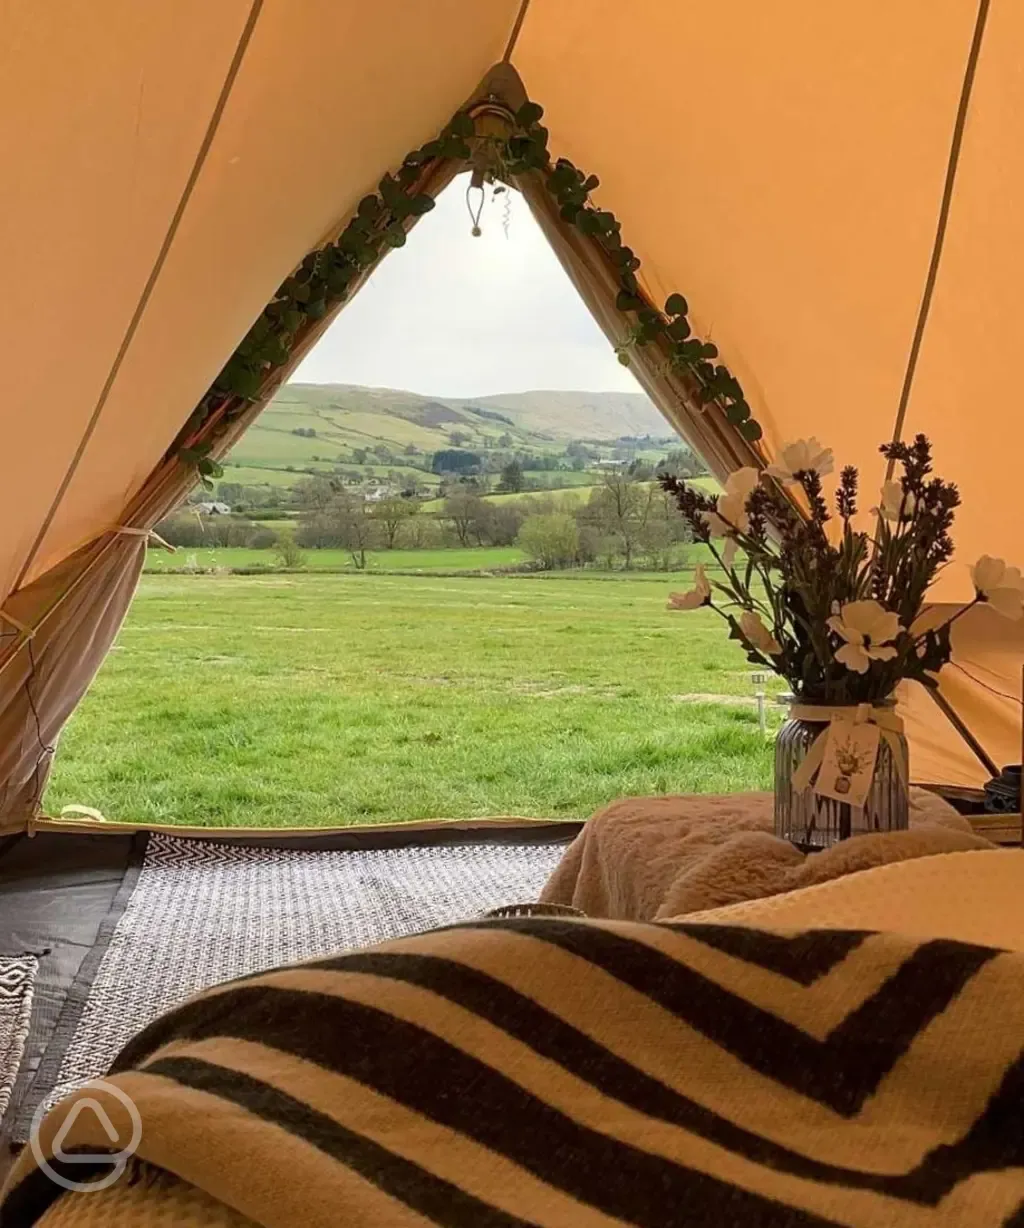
x=284 y=479
x=449 y=559
x=469 y=559
x=320 y=700
x=570 y=495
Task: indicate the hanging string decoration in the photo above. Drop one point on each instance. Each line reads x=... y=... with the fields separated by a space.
x=475 y=186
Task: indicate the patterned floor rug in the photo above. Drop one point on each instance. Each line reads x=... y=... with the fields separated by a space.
x=202 y=913
x=17 y=978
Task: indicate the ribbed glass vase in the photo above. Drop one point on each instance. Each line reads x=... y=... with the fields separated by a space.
x=813 y=823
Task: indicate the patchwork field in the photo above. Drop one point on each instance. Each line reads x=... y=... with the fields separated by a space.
x=320 y=700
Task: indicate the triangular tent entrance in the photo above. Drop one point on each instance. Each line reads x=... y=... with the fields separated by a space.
x=822 y=253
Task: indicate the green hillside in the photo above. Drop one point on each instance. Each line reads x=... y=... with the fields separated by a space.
x=392 y=435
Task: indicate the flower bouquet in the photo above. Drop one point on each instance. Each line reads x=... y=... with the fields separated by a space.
x=840 y=612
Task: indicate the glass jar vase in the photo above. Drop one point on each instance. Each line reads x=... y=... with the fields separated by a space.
x=813 y=823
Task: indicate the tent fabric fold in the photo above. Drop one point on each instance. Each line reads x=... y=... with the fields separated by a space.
x=796 y=208
x=73 y=613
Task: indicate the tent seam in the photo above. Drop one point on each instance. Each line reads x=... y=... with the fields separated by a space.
x=147 y=291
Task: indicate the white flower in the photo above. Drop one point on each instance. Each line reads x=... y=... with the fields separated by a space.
x=731 y=516
x=758 y=634
x=999 y=585
x=729 y=551
x=867 y=627
x=699 y=595
x=731 y=504
x=802 y=456
x=742 y=482
x=897 y=504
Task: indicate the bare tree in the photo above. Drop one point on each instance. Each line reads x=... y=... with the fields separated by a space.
x=314 y=492
x=391 y=514
x=345 y=522
x=465 y=510
x=619 y=508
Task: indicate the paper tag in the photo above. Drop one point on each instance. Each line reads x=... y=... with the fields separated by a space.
x=848 y=763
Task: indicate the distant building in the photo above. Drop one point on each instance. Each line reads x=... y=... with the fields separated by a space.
x=610 y=464
x=378 y=493
x=212 y=509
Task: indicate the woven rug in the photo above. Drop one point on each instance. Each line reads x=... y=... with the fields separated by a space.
x=17 y=978
x=201 y=913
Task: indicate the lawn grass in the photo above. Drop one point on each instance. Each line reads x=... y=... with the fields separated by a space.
x=322 y=700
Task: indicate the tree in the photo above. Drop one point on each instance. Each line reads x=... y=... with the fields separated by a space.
x=503 y=522
x=458 y=438
x=665 y=533
x=619 y=508
x=232 y=493
x=512 y=478
x=314 y=492
x=632 y=520
x=345 y=522
x=466 y=511
x=391 y=514
x=452 y=460
x=683 y=463
x=505 y=441
x=551 y=541
x=579 y=455
x=640 y=470
x=287 y=551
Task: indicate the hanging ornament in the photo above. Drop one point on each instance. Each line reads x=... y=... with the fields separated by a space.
x=476 y=184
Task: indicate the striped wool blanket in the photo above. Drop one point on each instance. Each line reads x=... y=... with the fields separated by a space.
x=556 y=1072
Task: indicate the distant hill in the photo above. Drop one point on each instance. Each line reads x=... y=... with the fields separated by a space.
x=580 y=415
x=315 y=427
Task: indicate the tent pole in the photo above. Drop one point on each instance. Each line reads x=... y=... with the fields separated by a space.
x=945 y=205
x=513 y=38
x=958 y=724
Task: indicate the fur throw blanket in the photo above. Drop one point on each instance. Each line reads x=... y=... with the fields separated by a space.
x=650 y=858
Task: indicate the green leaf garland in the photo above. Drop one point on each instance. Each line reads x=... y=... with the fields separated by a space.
x=326 y=276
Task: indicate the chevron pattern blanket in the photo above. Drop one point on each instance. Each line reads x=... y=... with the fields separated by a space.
x=561 y=1072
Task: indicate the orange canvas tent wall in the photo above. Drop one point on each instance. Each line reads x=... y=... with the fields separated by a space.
x=810 y=176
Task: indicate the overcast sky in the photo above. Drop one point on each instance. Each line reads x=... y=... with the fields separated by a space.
x=458 y=316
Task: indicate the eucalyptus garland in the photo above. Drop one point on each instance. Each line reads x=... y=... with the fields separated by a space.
x=326 y=277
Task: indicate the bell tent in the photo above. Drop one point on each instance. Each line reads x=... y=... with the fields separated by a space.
x=812 y=210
